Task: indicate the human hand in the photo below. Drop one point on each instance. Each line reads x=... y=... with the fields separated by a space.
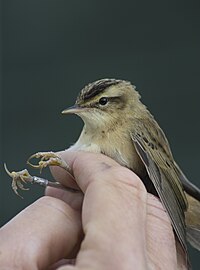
x=124 y=227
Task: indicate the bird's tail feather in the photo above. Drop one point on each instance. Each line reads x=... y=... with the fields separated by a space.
x=193 y=222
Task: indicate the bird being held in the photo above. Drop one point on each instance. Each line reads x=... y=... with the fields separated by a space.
x=118 y=124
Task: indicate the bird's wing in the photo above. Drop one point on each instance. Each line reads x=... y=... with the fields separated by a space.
x=152 y=147
x=189 y=187
x=192 y=217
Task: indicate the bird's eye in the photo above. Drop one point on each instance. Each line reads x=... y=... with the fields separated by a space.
x=103 y=101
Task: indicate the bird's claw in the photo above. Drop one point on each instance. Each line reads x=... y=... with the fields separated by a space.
x=18 y=179
x=48 y=159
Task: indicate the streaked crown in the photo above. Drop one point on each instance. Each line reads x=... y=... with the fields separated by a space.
x=95 y=88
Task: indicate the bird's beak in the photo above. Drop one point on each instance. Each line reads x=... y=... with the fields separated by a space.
x=73 y=109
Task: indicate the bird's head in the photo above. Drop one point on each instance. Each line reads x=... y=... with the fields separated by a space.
x=104 y=101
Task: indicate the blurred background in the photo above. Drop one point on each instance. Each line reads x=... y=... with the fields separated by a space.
x=51 y=49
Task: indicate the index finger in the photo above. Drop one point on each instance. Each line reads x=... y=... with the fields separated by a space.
x=113 y=213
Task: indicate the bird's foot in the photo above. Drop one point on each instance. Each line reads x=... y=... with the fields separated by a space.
x=19 y=179
x=48 y=159
x=23 y=177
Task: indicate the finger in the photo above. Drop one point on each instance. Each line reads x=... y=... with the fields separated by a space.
x=160 y=236
x=82 y=164
x=114 y=212
x=45 y=232
x=61 y=263
x=60 y=174
x=74 y=200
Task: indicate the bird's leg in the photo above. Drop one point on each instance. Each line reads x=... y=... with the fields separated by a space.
x=49 y=159
x=23 y=177
x=46 y=159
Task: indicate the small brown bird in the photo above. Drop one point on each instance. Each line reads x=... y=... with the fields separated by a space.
x=118 y=125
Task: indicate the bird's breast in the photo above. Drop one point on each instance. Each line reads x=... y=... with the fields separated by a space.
x=119 y=147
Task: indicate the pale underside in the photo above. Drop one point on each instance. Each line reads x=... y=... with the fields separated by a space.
x=124 y=153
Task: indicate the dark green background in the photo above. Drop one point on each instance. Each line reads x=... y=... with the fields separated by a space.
x=51 y=49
